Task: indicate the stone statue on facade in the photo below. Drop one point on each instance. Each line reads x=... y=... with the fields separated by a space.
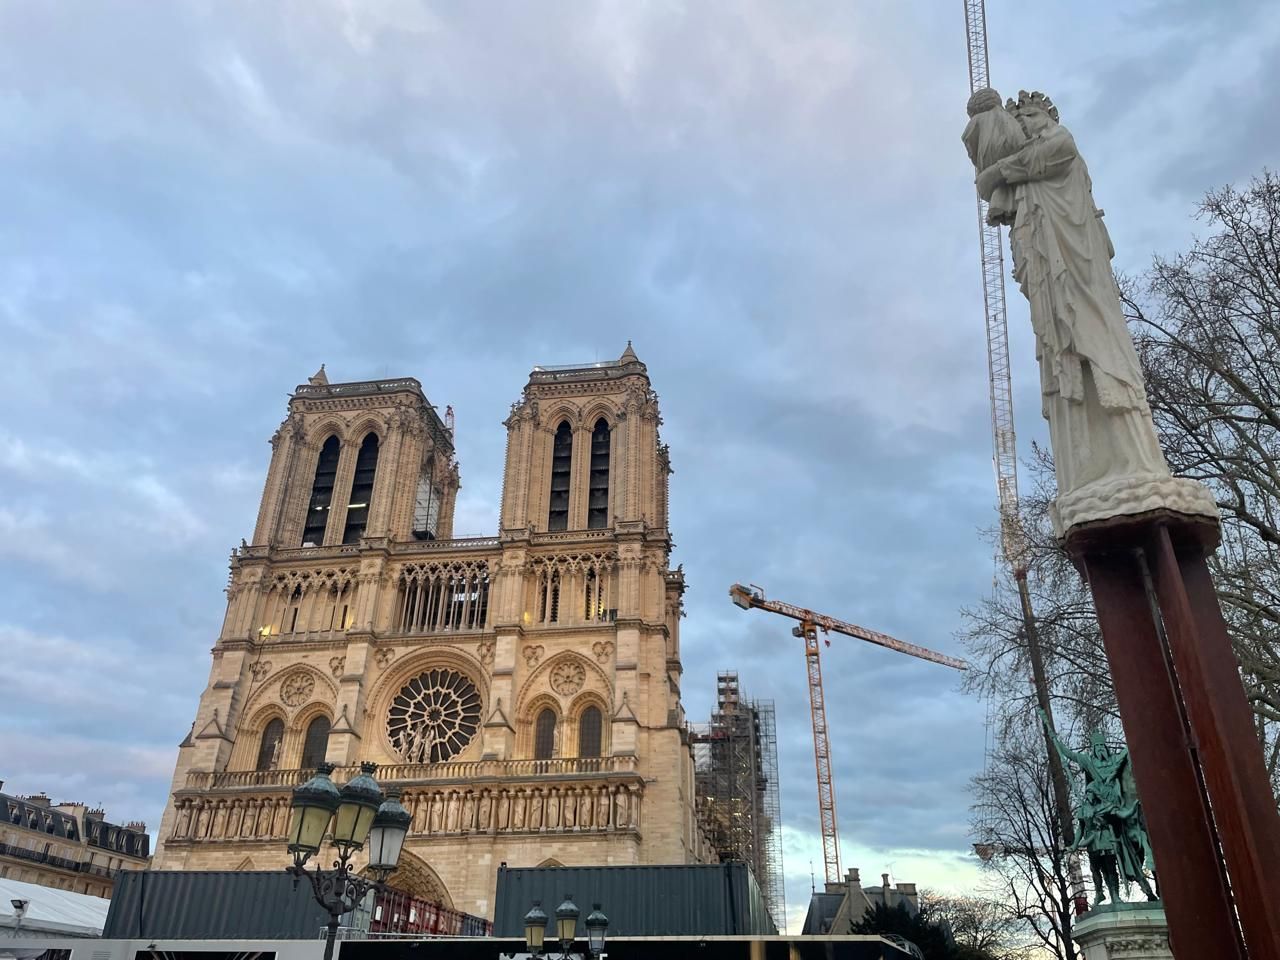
x=1108 y=460
x=1109 y=816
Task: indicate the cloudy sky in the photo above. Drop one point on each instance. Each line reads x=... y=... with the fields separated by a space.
x=205 y=200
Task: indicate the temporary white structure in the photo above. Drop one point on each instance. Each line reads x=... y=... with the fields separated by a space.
x=50 y=912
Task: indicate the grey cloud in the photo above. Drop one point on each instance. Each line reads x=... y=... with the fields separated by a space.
x=207 y=201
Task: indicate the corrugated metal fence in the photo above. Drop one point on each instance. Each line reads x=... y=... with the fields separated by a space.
x=679 y=900
x=212 y=905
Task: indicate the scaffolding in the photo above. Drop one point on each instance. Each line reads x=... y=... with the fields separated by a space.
x=736 y=774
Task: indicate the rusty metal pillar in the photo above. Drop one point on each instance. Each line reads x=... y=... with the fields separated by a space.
x=1196 y=757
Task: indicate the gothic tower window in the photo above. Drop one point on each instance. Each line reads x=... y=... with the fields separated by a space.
x=321 y=493
x=269 y=748
x=544 y=735
x=316 y=743
x=598 y=489
x=594 y=596
x=589 y=727
x=435 y=598
x=561 y=460
x=549 y=597
x=361 y=490
x=426 y=509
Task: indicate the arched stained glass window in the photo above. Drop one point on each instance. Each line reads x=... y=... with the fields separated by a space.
x=544 y=735
x=589 y=728
x=269 y=750
x=321 y=493
x=316 y=743
x=561 y=461
x=361 y=490
x=598 y=490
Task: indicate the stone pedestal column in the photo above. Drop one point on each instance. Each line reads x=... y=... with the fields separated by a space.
x=1124 y=931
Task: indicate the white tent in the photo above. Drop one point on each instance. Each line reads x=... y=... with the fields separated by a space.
x=51 y=912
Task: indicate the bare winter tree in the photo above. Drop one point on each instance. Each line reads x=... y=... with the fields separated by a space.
x=1027 y=866
x=1067 y=625
x=981 y=925
x=1207 y=323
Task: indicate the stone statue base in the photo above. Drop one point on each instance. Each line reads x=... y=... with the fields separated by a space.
x=1124 y=931
x=1109 y=498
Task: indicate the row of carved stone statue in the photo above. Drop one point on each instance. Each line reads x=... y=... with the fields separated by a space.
x=238 y=818
x=594 y=807
x=486 y=809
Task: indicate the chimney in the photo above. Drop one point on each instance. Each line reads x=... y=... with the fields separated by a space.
x=137 y=826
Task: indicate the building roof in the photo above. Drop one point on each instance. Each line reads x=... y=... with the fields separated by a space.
x=628 y=364
x=51 y=911
x=22 y=812
x=823 y=908
x=39 y=814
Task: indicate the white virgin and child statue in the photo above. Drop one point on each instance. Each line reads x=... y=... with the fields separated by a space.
x=1106 y=454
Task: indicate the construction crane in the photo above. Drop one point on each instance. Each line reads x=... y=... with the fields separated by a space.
x=810 y=624
x=1013 y=541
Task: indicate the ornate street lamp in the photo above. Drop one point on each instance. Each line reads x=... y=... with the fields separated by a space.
x=535 y=929
x=361 y=798
x=386 y=836
x=313 y=805
x=597 y=928
x=566 y=923
x=358 y=812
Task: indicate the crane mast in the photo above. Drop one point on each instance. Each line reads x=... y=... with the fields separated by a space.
x=807 y=629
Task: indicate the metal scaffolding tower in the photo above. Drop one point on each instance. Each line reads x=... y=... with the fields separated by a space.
x=771 y=879
x=736 y=778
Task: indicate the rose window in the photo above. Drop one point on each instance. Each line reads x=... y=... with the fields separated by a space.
x=567 y=677
x=434 y=716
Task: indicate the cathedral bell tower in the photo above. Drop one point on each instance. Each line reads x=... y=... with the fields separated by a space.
x=521 y=690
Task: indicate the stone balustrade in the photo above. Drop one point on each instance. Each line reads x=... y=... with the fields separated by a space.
x=408 y=773
x=437 y=811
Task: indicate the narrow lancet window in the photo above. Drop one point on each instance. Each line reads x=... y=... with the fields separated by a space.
x=269 y=748
x=561 y=461
x=589 y=727
x=361 y=490
x=598 y=489
x=321 y=494
x=544 y=735
x=316 y=743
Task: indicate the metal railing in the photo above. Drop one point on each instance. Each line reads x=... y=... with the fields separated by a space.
x=358 y=388
x=53 y=860
x=560 y=536
x=457 y=543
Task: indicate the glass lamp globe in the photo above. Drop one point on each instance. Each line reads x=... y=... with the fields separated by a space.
x=360 y=800
x=566 y=922
x=313 y=805
x=597 y=926
x=535 y=928
x=386 y=836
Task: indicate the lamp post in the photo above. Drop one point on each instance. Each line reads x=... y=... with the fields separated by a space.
x=358 y=812
x=535 y=929
x=19 y=911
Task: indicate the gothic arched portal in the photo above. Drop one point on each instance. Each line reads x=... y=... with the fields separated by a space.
x=415 y=878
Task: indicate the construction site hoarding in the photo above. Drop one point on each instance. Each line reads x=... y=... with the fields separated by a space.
x=678 y=900
x=212 y=905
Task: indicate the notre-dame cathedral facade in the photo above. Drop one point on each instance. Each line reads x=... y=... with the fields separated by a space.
x=523 y=690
